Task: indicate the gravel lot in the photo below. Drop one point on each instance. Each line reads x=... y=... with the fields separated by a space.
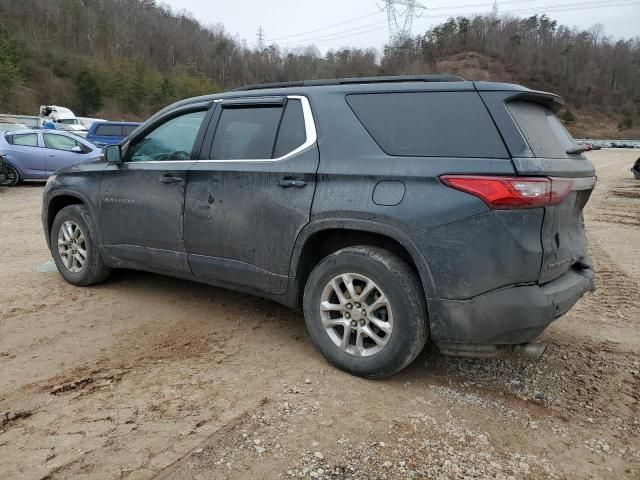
x=151 y=377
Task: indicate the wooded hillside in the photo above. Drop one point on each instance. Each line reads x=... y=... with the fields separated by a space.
x=128 y=58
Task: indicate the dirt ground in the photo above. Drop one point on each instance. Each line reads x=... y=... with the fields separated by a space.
x=151 y=377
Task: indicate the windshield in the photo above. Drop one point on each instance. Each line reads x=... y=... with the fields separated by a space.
x=69 y=121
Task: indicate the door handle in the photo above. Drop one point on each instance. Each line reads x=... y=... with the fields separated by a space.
x=291 y=183
x=168 y=178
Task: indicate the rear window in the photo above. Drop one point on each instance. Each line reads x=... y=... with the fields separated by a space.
x=429 y=124
x=544 y=133
x=128 y=129
x=109 y=130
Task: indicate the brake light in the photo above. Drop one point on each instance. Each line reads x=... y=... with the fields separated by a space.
x=512 y=192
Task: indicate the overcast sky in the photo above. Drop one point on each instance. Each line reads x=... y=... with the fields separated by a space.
x=292 y=23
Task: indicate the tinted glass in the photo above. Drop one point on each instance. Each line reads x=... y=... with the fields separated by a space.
x=27 y=140
x=246 y=133
x=292 y=132
x=109 y=130
x=429 y=124
x=546 y=136
x=173 y=140
x=128 y=129
x=59 y=142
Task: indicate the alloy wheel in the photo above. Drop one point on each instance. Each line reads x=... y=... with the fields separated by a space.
x=72 y=246
x=356 y=314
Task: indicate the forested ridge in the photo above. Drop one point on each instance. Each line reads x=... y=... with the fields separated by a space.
x=128 y=58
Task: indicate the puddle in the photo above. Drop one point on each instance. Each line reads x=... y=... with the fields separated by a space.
x=48 y=267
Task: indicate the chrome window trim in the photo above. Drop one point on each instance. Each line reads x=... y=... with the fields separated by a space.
x=310 y=131
x=309 y=126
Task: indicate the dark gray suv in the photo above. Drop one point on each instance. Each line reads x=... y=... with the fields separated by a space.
x=393 y=210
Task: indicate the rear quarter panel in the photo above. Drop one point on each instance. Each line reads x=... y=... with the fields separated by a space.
x=467 y=249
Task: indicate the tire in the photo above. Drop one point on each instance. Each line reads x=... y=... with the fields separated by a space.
x=76 y=218
x=400 y=326
x=13 y=177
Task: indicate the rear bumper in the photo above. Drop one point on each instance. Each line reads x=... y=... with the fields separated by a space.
x=508 y=316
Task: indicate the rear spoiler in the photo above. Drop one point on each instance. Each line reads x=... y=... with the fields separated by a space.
x=554 y=102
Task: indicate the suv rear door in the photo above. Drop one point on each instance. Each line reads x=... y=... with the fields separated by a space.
x=250 y=195
x=540 y=146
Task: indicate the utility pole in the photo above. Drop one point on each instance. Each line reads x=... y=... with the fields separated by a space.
x=260 y=36
x=400 y=19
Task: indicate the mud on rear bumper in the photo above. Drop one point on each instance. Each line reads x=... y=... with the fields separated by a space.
x=508 y=316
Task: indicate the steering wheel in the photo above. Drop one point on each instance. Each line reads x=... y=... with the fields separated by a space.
x=177 y=155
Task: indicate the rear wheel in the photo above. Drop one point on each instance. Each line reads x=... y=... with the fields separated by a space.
x=74 y=247
x=12 y=177
x=365 y=310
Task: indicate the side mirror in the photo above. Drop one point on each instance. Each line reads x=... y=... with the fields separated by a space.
x=113 y=154
x=76 y=149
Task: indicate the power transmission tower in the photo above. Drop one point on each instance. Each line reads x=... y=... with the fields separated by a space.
x=400 y=19
x=494 y=9
x=260 y=36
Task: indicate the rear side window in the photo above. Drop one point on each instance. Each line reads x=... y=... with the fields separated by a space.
x=246 y=133
x=429 y=124
x=25 y=140
x=128 y=129
x=109 y=130
x=292 y=131
x=546 y=136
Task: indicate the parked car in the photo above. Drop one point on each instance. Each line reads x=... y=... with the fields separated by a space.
x=30 y=121
x=392 y=210
x=636 y=169
x=88 y=121
x=110 y=133
x=11 y=127
x=37 y=154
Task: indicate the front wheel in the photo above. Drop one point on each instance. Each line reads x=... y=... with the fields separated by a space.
x=74 y=247
x=365 y=310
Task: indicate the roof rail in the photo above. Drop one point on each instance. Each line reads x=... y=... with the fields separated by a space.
x=354 y=80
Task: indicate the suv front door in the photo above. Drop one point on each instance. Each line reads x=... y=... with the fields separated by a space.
x=142 y=199
x=250 y=196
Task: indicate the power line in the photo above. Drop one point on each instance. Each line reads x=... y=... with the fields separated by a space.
x=338 y=33
x=328 y=27
x=364 y=29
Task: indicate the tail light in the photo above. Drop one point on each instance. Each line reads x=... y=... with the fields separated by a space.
x=512 y=192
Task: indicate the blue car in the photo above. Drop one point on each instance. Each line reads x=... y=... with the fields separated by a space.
x=110 y=133
x=37 y=154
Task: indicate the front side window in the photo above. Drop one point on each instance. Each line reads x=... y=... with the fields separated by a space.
x=25 y=140
x=59 y=142
x=173 y=140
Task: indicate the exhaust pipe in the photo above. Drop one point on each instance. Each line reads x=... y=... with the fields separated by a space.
x=533 y=350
